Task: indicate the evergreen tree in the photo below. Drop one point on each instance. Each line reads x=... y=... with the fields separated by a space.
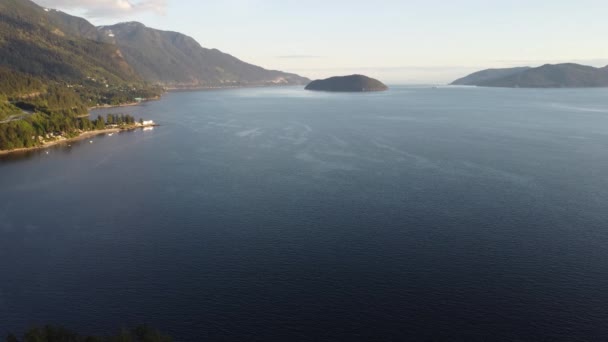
x=100 y=123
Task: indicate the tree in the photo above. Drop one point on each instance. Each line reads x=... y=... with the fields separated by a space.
x=58 y=334
x=100 y=123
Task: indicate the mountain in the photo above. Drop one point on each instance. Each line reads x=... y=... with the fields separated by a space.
x=567 y=75
x=133 y=51
x=352 y=83
x=72 y=25
x=47 y=64
x=488 y=75
x=54 y=66
x=174 y=59
x=50 y=74
x=33 y=43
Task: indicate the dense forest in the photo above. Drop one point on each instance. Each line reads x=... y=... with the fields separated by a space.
x=25 y=92
x=56 y=334
x=30 y=108
x=37 y=128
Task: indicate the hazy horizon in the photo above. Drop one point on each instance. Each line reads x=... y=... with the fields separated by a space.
x=400 y=42
x=147 y=180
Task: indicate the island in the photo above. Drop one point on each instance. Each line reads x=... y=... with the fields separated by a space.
x=566 y=75
x=352 y=83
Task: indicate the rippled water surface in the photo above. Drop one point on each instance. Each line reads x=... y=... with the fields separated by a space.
x=279 y=214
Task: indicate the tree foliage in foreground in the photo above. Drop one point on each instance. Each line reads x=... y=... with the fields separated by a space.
x=58 y=334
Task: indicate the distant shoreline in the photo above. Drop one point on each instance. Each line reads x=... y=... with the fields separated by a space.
x=205 y=88
x=81 y=136
x=129 y=104
x=193 y=88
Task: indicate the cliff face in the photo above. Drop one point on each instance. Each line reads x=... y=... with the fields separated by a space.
x=352 y=83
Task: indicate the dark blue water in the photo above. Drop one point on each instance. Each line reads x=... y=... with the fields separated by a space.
x=277 y=214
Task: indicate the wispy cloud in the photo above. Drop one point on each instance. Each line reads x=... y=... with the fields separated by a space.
x=300 y=57
x=108 y=8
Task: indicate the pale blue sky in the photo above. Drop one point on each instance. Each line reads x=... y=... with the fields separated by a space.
x=406 y=41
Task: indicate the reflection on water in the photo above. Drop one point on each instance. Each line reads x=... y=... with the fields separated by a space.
x=278 y=214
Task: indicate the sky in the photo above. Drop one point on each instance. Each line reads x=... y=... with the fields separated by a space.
x=397 y=41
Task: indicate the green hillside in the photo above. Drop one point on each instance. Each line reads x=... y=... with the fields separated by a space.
x=33 y=44
x=54 y=66
x=49 y=75
x=176 y=60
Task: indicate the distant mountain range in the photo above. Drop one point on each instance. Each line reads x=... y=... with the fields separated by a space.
x=50 y=43
x=567 y=75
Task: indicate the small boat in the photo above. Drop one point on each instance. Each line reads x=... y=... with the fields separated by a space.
x=110 y=134
x=90 y=142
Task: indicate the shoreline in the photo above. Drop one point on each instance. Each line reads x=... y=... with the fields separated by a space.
x=193 y=89
x=81 y=136
x=130 y=104
x=88 y=134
